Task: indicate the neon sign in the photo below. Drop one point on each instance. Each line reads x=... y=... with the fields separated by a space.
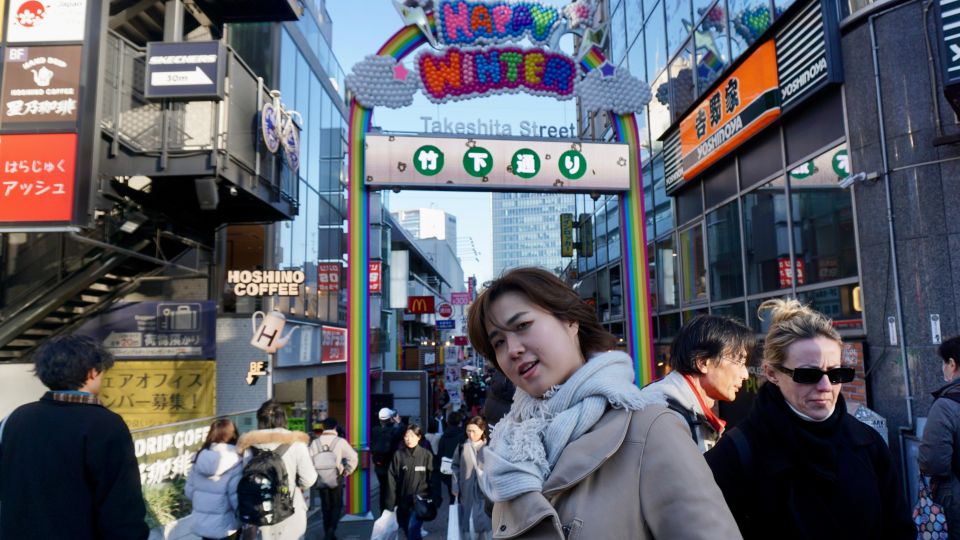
x=458 y=73
x=463 y=22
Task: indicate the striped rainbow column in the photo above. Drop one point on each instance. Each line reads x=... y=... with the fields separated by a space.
x=400 y=45
x=634 y=243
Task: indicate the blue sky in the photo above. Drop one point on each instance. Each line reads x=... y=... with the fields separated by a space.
x=359 y=29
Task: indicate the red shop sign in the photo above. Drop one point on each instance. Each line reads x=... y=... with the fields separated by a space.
x=37 y=181
x=375 y=277
x=328 y=277
x=333 y=344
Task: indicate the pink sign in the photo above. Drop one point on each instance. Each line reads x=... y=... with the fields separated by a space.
x=460 y=298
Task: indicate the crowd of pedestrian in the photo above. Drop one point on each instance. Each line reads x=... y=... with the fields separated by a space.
x=562 y=431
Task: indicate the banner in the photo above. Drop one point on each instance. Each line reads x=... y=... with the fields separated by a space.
x=157 y=329
x=333 y=344
x=152 y=393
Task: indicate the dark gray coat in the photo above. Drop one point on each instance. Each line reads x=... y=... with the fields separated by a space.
x=939 y=455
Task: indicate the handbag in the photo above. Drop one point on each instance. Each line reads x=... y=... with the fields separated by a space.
x=453 y=522
x=928 y=516
x=424 y=508
x=446 y=465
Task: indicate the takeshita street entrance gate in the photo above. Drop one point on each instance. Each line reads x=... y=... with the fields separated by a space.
x=475 y=54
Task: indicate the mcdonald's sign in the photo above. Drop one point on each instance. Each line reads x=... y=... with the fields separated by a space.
x=420 y=304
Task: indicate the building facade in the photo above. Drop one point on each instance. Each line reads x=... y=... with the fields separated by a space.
x=429 y=223
x=774 y=151
x=526 y=230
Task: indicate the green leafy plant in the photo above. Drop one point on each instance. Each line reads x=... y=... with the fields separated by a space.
x=166 y=502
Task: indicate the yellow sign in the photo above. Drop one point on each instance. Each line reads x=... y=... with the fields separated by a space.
x=152 y=393
x=566 y=235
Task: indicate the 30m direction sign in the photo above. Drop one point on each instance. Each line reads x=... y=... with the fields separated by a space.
x=185 y=70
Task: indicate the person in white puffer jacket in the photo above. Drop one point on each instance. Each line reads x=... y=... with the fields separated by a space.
x=212 y=483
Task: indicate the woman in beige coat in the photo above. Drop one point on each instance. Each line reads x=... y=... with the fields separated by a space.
x=582 y=454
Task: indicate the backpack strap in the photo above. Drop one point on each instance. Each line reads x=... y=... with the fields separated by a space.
x=282 y=449
x=740 y=442
x=690 y=418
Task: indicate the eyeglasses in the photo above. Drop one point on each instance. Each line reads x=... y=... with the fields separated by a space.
x=835 y=375
x=736 y=360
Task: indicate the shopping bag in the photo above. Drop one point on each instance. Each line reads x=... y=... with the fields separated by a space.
x=385 y=527
x=453 y=522
x=928 y=516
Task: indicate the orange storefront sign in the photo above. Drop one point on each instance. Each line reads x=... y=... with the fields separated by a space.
x=746 y=102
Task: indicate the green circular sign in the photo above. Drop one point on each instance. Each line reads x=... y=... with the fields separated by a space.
x=478 y=162
x=805 y=170
x=525 y=163
x=428 y=160
x=841 y=163
x=572 y=164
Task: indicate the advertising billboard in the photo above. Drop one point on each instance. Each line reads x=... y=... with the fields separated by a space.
x=157 y=329
x=49 y=21
x=155 y=392
x=41 y=85
x=37 y=185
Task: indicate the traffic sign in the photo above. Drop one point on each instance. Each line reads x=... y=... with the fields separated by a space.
x=446 y=324
x=191 y=70
x=445 y=310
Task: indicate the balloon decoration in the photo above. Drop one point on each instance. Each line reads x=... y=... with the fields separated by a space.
x=612 y=89
x=381 y=81
x=464 y=22
x=457 y=74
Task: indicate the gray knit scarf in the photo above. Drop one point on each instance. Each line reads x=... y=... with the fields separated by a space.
x=528 y=440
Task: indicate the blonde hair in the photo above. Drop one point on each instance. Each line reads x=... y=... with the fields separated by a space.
x=791 y=321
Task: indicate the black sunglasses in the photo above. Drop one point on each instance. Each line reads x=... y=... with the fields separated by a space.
x=809 y=375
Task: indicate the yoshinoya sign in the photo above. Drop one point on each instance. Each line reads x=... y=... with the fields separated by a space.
x=41 y=84
x=808 y=53
x=743 y=104
x=496 y=164
x=266 y=282
x=49 y=21
x=192 y=70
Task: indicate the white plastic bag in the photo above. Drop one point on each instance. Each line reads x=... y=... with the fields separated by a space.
x=385 y=527
x=453 y=523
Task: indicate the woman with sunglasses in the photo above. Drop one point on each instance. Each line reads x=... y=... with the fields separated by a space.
x=799 y=466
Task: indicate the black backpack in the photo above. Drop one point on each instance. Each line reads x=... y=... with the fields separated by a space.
x=263 y=494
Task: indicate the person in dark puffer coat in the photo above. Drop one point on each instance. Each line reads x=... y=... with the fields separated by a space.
x=939 y=454
x=409 y=476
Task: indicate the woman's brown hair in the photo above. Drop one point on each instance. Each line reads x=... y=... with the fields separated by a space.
x=547 y=292
x=480 y=423
x=222 y=430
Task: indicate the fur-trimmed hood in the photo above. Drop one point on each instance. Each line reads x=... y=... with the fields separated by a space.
x=275 y=436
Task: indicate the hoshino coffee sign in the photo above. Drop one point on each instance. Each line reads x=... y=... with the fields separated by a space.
x=266 y=282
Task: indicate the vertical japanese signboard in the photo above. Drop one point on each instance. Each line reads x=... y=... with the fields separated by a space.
x=376 y=277
x=328 y=277
x=37 y=183
x=41 y=85
x=746 y=102
x=50 y=21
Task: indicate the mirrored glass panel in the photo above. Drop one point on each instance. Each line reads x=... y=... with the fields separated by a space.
x=765 y=237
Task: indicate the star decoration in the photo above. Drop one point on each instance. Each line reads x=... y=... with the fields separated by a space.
x=592 y=37
x=400 y=72
x=607 y=69
x=416 y=15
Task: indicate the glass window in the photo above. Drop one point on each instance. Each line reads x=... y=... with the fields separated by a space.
x=836 y=303
x=667 y=276
x=681 y=81
x=781 y=6
x=656 y=44
x=313 y=155
x=690 y=314
x=313 y=233
x=634 y=14
x=288 y=70
x=669 y=325
x=749 y=19
x=720 y=183
x=694 y=272
x=823 y=219
x=713 y=52
x=765 y=237
x=613 y=228
x=689 y=204
x=759 y=322
x=652 y=275
x=760 y=158
x=663 y=205
x=701 y=7
x=635 y=60
x=729 y=310
x=660 y=105
x=678 y=23
x=648 y=205
x=618 y=34
x=723 y=247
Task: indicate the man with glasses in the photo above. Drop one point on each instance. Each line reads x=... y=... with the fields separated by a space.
x=799 y=466
x=708 y=362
